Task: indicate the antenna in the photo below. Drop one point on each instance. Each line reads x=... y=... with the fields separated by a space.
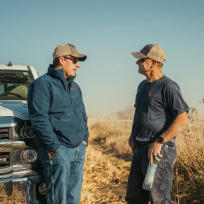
x=9 y=64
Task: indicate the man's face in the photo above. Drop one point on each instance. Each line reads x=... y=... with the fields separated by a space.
x=144 y=65
x=70 y=66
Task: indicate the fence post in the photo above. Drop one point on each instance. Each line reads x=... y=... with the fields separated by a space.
x=126 y=123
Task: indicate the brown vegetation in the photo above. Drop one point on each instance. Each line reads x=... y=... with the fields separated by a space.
x=126 y=113
x=108 y=162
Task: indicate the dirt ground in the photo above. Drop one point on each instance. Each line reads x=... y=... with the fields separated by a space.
x=105 y=176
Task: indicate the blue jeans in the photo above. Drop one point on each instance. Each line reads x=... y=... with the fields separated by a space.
x=63 y=174
x=160 y=192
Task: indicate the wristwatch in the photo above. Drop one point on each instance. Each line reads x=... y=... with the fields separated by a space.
x=160 y=140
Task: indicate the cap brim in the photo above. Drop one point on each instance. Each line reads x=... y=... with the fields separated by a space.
x=81 y=57
x=138 y=55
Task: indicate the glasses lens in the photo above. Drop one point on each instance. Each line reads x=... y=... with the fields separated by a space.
x=143 y=59
x=73 y=59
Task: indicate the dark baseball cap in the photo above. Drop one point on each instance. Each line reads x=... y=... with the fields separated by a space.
x=68 y=49
x=152 y=51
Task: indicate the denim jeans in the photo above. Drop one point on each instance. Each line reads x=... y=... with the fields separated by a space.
x=63 y=174
x=160 y=192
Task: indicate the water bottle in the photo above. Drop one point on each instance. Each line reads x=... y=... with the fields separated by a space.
x=149 y=178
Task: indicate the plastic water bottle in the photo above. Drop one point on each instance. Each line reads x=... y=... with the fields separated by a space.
x=149 y=178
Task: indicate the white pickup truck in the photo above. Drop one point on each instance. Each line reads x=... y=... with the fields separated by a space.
x=21 y=177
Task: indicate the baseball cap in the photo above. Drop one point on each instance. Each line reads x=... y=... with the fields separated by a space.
x=68 y=49
x=152 y=51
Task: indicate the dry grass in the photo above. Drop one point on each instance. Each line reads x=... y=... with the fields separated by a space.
x=107 y=168
x=103 y=175
x=112 y=135
x=189 y=169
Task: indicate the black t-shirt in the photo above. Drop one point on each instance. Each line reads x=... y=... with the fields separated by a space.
x=157 y=104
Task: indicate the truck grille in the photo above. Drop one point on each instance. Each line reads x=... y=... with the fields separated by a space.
x=4 y=159
x=4 y=133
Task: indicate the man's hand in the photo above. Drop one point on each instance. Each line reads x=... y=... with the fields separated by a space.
x=52 y=154
x=84 y=142
x=154 y=152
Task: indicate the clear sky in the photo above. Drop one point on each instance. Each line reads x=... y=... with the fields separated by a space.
x=108 y=31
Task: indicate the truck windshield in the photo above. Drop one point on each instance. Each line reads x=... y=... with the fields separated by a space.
x=14 y=85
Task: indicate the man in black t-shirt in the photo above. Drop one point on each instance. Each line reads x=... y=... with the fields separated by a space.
x=160 y=115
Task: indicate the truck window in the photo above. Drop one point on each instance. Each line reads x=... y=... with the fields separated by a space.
x=14 y=85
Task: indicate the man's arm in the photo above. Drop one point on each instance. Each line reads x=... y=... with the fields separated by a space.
x=39 y=106
x=85 y=120
x=177 y=125
x=130 y=142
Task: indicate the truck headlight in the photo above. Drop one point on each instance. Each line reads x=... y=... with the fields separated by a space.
x=42 y=189
x=27 y=132
x=30 y=155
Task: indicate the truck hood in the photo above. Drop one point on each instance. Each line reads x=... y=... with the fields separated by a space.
x=16 y=109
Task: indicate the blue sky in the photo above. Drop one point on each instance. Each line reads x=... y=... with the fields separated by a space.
x=108 y=31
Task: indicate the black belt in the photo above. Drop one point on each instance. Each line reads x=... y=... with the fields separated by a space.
x=172 y=141
x=143 y=143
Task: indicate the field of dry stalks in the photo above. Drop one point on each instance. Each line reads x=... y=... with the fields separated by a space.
x=108 y=162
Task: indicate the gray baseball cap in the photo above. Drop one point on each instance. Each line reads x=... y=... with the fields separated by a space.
x=68 y=49
x=152 y=51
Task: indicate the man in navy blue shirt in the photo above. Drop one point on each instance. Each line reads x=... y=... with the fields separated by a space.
x=161 y=113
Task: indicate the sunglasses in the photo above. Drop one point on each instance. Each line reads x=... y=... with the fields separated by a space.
x=144 y=59
x=73 y=59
